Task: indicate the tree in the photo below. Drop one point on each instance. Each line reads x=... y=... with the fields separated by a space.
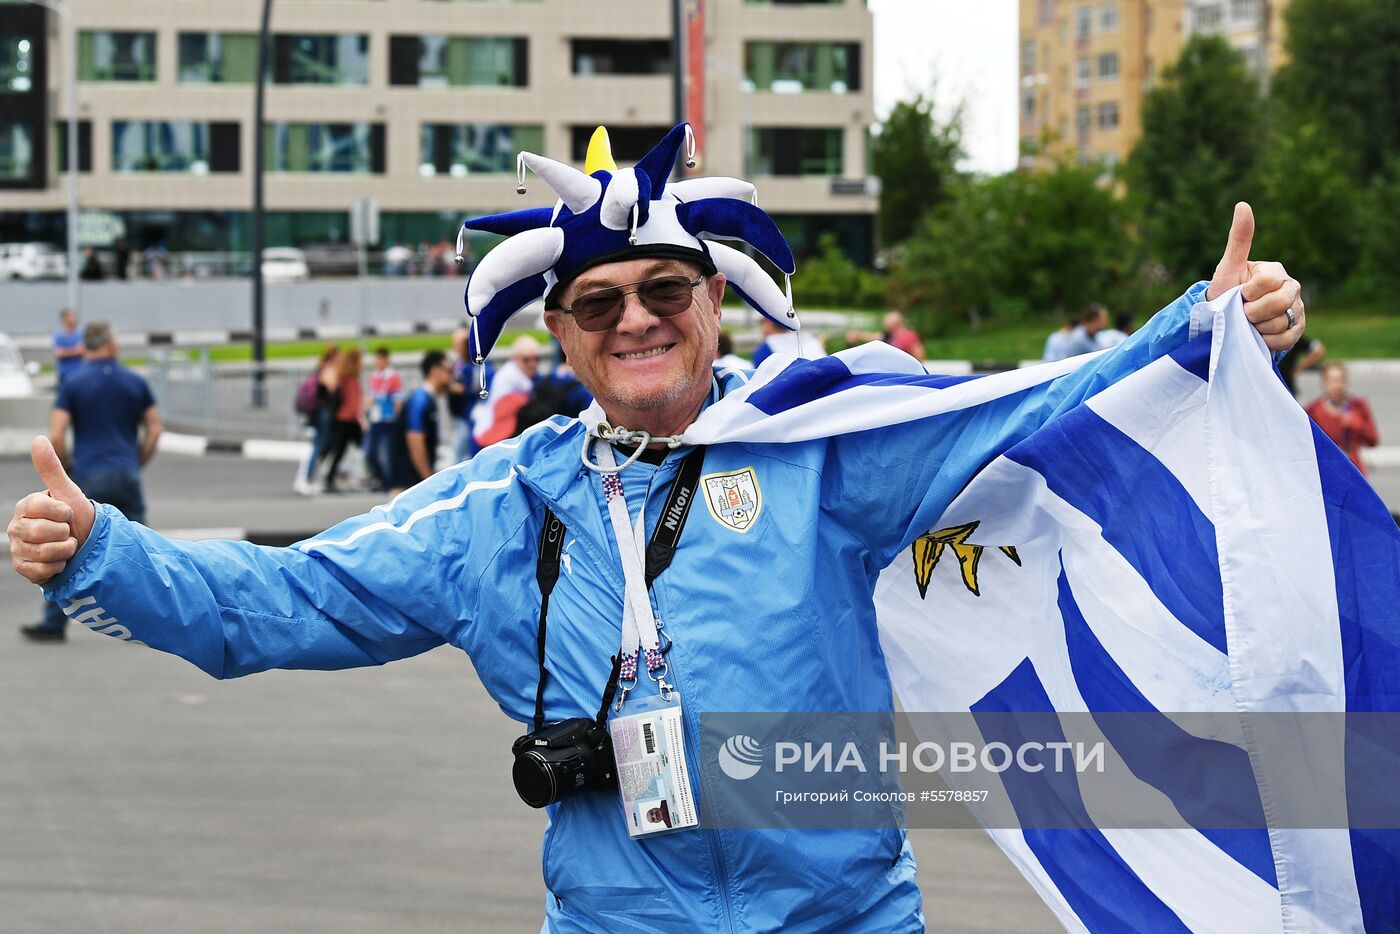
x=1380 y=226
x=1200 y=141
x=1042 y=241
x=1343 y=72
x=915 y=158
x=1308 y=210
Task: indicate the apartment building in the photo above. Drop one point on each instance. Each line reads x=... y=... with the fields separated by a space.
x=1087 y=64
x=420 y=105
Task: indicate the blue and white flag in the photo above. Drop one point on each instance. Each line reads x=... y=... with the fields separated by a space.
x=1183 y=541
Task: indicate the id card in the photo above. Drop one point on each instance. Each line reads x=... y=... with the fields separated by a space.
x=652 y=780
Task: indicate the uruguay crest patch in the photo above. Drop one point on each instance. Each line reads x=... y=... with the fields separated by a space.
x=734 y=498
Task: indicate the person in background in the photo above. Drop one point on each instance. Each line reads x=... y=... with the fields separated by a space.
x=115 y=429
x=778 y=339
x=464 y=396
x=727 y=357
x=414 y=451
x=1113 y=336
x=327 y=389
x=385 y=398
x=347 y=421
x=121 y=259
x=1083 y=339
x=1057 y=344
x=1304 y=356
x=92 y=266
x=898 y=334
x=495 y=418
x=1344 y=418
x=67 y=346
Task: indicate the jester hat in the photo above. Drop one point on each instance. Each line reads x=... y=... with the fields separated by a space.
x=606 y=214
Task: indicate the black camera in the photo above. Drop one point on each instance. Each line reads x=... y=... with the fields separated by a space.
x=562 y=758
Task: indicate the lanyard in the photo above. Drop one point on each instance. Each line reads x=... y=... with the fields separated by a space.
x=659 y=553
x=642 y=565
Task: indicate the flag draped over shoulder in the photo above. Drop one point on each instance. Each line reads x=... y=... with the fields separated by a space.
x=1184 y=540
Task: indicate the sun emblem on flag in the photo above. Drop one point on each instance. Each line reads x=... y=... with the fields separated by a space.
x=928 y=551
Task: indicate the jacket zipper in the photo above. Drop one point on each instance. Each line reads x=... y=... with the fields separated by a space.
x=693 y=741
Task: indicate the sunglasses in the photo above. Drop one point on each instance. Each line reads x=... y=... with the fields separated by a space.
x=664 y=297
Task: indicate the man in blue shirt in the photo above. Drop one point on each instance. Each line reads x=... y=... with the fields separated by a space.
x=67 y=346
x=416 y=435
x=115 y=428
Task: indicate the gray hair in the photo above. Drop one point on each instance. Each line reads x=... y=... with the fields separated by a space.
x=97 y=335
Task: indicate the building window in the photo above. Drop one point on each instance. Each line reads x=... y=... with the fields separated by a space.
x=1047 y=12
x=621 y=56
x=1244 y=10
x=796 y=151
x=472 y=148
x=117 y=56
x=1083 y=71
x=1209 y=16
x=1028 y=57
x=1108 y=66
x=218 y=57
x=803 y=66
x=60 y=148
x=16 y=151
x=1108 y=116
x=1083 y=22
x=16 y=63
x=1082 y=122
x=353 y=148
x=174 y=146
x=458 y=61
x=320 y=59
x=1028 y=104
x=629 y=143
x=1108 y=17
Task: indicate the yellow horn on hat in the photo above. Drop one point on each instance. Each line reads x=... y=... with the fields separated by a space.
x=599 y=153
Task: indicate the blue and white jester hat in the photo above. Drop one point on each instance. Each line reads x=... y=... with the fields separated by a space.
x=606 y=214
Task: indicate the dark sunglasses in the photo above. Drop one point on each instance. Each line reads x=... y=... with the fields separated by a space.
x=664 y=297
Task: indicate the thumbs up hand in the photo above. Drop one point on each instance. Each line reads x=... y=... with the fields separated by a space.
x=1272 y=299
x=49 y=527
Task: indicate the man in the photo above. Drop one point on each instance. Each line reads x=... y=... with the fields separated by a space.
x=778 y=339
x=494 y=419
x=1084 y=337
x=1057 y=344
x=1113 y=336
x=896 y=333
x=115 y=429
x=1344 y=418
x=414 y=453
x=766 y=605
x=67 y=346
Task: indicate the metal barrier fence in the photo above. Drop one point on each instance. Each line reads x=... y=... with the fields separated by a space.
x=200 y=397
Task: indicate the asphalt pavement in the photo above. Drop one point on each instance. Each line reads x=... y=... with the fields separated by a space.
x=139 y=795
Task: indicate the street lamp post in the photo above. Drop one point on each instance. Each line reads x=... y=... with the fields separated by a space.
x=259 y=400
x=71 y=32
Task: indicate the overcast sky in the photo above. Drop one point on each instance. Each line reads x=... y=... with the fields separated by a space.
x=967 y=49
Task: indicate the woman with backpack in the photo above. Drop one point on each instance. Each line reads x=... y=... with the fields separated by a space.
x=324 y=383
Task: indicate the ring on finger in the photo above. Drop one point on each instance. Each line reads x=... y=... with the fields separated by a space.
x=1291 y=316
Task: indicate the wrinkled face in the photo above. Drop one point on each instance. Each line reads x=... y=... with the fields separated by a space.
x=644 y=363
x=1334 y=383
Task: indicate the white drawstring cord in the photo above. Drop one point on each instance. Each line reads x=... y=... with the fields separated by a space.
x=627 y=438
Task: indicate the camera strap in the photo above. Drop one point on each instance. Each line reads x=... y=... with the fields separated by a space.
x=659 y=552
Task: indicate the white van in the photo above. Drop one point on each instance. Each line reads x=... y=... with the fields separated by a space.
x=30 y=261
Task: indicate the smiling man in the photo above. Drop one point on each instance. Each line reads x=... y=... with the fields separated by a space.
x=733 y=577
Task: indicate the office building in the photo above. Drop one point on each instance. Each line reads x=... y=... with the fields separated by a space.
x=1086 y=65
x=420 y=105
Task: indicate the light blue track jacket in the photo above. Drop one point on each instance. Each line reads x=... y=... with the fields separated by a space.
x=778 y=617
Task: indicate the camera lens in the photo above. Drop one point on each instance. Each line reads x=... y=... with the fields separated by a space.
x=534 y=779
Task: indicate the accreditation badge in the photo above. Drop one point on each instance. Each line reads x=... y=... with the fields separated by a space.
x=652 y=779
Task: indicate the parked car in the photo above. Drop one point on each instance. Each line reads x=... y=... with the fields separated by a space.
x=332 y=259
x=284 y=264
x=30 y=261
x=15 y=382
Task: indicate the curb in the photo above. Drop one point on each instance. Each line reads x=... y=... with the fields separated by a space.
x=262 y=449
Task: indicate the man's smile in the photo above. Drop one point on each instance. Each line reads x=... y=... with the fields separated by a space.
x=643 y=354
